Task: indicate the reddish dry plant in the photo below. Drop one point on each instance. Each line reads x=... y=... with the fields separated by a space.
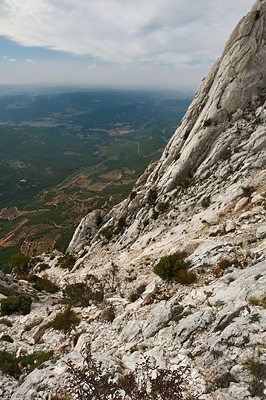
x=147 y=382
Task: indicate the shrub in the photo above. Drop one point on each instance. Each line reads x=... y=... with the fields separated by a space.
x=207 y=122
x=32 y=361
x=168 y=267
x=67 y=261
x=206 y=202
x=248 y=190
x=108 y=314
x=85 y=293
x=9 y=364
x=225 y=263
x=152 y=196
x=146 y=382
x=16 y=303
x=65 y=320
x=257 y=371
x=135 y=294
x=45 y=284
x=77 y=294
x=6 y=338
x=33 y=278
x=155 y=214
x=254 y=301
x=133 y=195
x=230 y=279
x=185 y=277
x=43 y=267
x=226 y=154
x=19 y=263
x=255 y=317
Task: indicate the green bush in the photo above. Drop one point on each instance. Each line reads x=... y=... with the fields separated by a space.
x=169 y=267
x=152 y=197
x=206 y=202
x=226 y=154
x=16 y=303
x=207 y=122
x=84 y=293
x=155 y=214
x=65 y=320
x=32 y=361
x=33 y=278
x=67 y=261
x=45 y=284
x=19 y=263
x=6 y=338
x=9 y=364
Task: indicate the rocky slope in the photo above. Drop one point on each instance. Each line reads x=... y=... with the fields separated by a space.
x=206 y=196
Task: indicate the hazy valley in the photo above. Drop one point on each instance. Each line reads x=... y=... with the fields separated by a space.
x=65 y=154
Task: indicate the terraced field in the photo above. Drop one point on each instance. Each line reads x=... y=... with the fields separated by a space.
x=66 y=155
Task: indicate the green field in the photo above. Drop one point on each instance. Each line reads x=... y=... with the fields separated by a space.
x=64 y=155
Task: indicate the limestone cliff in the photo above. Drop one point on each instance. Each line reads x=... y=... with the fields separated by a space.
x=221 y=137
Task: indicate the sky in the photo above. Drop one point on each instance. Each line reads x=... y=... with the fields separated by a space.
x=160 y=44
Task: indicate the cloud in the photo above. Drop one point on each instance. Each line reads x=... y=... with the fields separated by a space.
x=125 y=32
x=30 y=61
x=11 y=59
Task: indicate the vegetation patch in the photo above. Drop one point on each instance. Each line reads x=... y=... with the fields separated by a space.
x=84 y=294
x=255 y=301
x=207 y=122
x=19 y=263
x=135 y=294
x=6 y=338
x=147 y=382
x=65 y=320
x=67 y=261
x=14 y=366
x=43 y=284
x=152 y=197
x=206 y=202
x=11 y=304
x=225 y=263
x=169 y=267
x=226 y=154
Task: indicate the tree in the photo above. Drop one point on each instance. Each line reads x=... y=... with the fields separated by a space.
x=19 y=263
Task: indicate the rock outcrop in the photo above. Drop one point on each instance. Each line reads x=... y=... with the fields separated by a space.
x=206 y=196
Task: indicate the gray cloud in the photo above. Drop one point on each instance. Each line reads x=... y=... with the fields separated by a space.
x=124 y=31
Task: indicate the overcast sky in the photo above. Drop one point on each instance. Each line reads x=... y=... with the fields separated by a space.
x=117 y=43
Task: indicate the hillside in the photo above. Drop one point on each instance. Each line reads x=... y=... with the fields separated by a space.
x=206 y=198
x=65 y=154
